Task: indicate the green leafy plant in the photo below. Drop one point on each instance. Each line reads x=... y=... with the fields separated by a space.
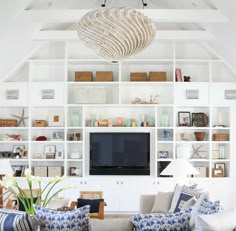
x=44 y=194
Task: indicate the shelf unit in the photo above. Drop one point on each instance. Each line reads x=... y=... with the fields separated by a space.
x=52 y=68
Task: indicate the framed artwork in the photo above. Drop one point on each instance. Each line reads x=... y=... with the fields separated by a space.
x=56 y=119
x=47 y=93
x=217 y=172
x=163 y=154
x=220 y=165
x=50 y=149
x=19 y=150
x=72 y=171
x=58 y=135
x=184 y=118
x=12 y=94
x=59 y=154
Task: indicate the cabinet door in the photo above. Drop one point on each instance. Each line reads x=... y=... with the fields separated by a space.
x=130 y=191
x=223 y=94
x=14 y=94
x=192 y=94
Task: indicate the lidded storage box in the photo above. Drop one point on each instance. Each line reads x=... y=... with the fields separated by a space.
x=138 y=76
x=83 y=76
x=104 y=76
x=157 y=76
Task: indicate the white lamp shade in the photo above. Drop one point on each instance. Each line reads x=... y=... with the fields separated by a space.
x=179 y=168
x=5 y=167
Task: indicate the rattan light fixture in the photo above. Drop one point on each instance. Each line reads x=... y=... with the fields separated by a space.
x=116 y=33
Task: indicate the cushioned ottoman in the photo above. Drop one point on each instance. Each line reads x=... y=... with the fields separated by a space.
x=114 y=224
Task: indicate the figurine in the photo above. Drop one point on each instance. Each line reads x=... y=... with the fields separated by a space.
x=187 y=78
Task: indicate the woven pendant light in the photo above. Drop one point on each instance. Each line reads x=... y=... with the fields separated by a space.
x=116 y=33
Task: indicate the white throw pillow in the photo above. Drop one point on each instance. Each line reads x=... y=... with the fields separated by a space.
x=162 y=202
x=224 y=220
x=196 y=206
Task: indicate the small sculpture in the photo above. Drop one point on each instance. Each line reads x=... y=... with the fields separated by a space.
x=187 y=78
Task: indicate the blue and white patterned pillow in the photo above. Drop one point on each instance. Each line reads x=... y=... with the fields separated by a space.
x=16 y=220
x=209 y=207
x=162 y=222
x=75 y=220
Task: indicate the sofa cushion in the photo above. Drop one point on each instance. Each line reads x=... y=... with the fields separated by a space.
x=181 y=195
x=223 y=220
x=75 y=220
x=16 y=220
x=114 y=224
x=162 y=222
x=94 y=204
x=162 y=202
x=146 y=203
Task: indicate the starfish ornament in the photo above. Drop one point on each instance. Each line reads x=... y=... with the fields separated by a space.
x=196 y=152
x=21 y=118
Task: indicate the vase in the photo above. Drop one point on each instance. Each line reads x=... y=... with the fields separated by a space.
x=35 y=222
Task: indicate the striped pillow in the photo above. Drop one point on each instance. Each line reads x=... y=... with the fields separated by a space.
x=12 y=220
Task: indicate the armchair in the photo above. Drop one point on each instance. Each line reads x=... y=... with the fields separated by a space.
x=94 y=199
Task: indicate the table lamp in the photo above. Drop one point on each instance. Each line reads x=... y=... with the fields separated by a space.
x=5 y=168
x=179 y=168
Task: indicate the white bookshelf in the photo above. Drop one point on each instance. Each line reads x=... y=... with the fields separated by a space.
x=53 y=67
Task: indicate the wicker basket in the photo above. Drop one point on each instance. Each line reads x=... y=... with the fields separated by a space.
x=199 y=136
x=220 y=137
x=8 y=123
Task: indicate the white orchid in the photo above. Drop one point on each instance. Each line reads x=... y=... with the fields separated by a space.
x=28 y=200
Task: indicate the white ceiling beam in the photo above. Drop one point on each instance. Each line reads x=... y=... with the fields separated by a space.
x=59 y=35
x=157 y=15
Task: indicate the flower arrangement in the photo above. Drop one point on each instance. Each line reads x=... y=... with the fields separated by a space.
x=44 y=195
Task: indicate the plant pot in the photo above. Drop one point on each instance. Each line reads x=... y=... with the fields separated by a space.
x=199 y=135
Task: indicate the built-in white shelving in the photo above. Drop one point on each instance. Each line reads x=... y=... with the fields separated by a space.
x=46 y=88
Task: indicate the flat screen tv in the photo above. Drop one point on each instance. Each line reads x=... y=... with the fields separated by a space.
x=119 y=153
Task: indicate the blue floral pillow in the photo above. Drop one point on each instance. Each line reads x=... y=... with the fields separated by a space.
x=162 y=222
x=209 y=207
x=75 y=220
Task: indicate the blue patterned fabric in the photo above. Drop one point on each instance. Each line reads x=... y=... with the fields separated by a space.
x=12 y=220
x=162 y=222
x=209 y=207
x=76 y=220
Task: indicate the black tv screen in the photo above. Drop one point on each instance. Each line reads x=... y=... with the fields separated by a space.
x=119 y=153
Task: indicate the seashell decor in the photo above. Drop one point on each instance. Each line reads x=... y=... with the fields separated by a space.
x=116 y=33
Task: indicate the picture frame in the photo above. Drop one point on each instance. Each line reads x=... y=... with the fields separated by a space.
x=18 y=170
x=12 y=94
x=59 y=154
x=58 y=135
x=184 y=119
x=72 y=171
x=217 y=172
x=163 y=154
x=19 y=150
x=220 y=165
x=49 y=149
x=47 y=94
x=56 y=119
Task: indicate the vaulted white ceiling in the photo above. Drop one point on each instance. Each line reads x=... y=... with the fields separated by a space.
x=18 y=31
